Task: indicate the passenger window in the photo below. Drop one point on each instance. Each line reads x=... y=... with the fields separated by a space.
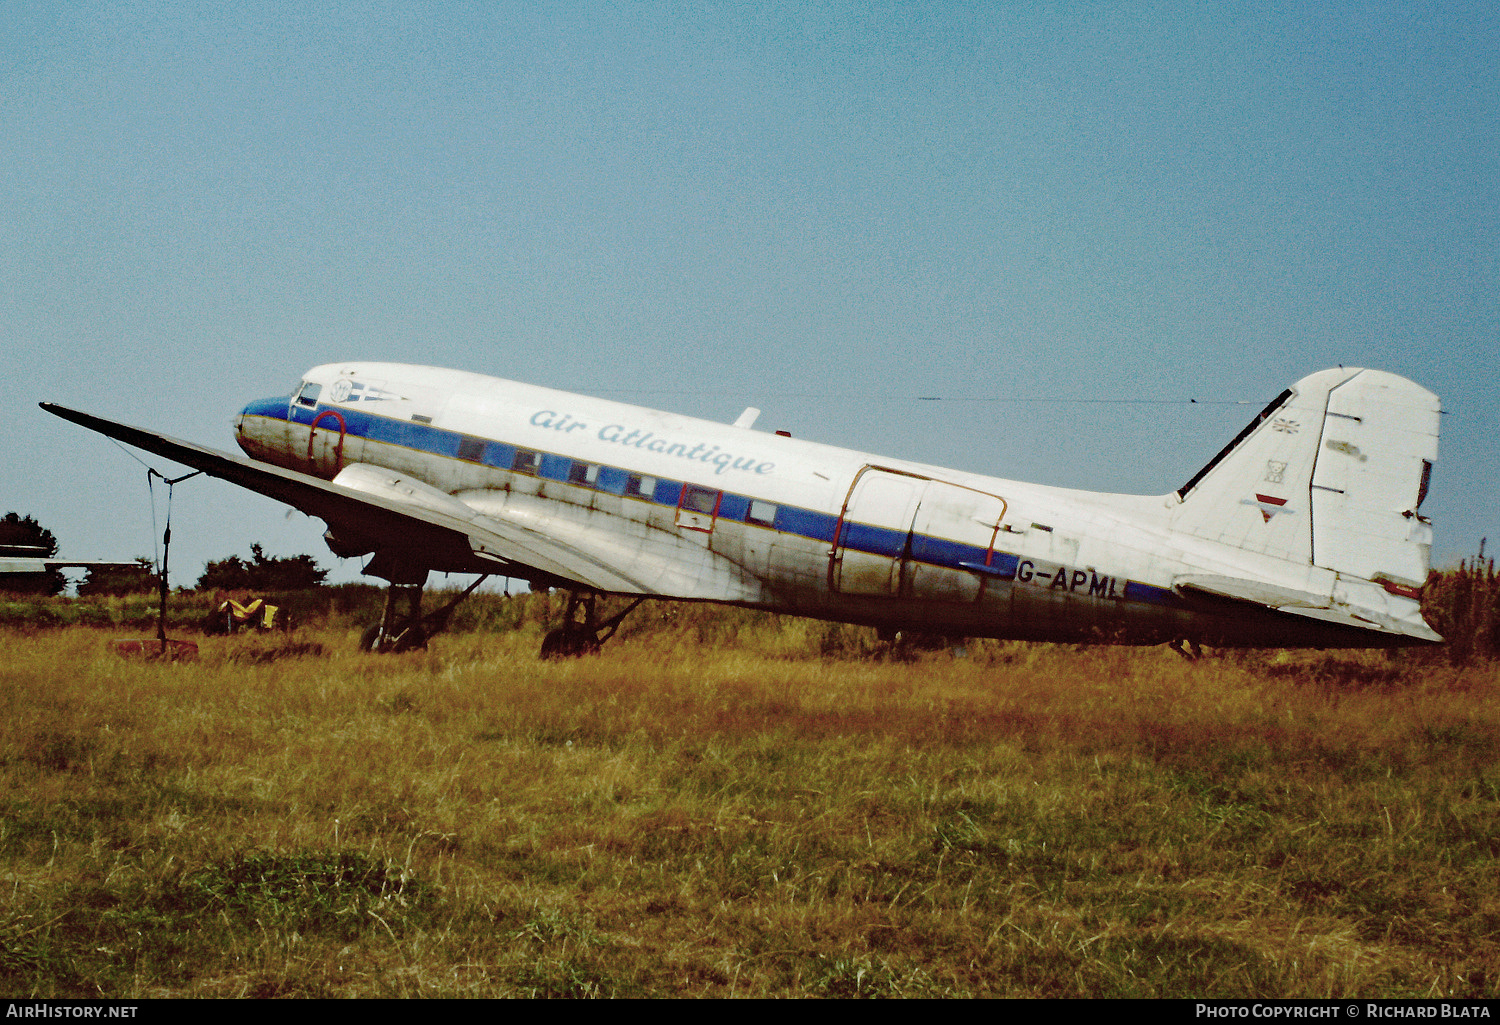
x=586 y=474
x=525 y=462
x=762 y=513
x=471 y=449
x=637 y=486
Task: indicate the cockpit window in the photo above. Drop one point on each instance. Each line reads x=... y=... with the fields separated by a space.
x=308 y=396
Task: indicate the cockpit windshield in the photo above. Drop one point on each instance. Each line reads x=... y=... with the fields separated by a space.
x=307 y=394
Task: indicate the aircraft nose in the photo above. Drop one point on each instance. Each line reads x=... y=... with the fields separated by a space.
x=274 y=408
x=250 y=421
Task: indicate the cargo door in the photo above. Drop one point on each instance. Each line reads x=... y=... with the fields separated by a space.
x=873 y=531
x=952 y=536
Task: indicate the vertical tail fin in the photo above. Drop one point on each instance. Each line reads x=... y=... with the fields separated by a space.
x=1332 y=475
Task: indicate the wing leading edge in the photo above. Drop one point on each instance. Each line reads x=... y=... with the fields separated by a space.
x=438 y=540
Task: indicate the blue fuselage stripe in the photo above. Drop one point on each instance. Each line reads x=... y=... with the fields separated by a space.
x=809 y=523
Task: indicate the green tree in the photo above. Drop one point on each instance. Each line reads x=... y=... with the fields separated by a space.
x=119 y=580
x=262 y=573
x=26 y=538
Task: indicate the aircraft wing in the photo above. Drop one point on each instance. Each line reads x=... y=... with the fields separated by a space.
x=8 y=565
x=449 y=540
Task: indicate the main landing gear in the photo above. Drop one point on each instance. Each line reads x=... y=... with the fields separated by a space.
x=583 y=637
x=1188 y=649
x=409 y=630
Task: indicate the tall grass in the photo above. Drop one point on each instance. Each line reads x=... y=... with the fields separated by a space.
x=1464 y=606
x=719 y=806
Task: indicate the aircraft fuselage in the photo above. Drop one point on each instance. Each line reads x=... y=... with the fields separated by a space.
x=678 y=507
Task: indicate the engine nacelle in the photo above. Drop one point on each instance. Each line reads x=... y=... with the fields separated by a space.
x=383 y=483
x=346 y=541
x=347 y=547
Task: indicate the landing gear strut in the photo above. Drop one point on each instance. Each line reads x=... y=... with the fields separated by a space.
x=576 y=638
x=1188 y=649
x=397 y=631
x=409 y=631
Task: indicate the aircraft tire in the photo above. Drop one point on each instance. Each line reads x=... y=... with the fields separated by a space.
x=413 y=638
x=565 y=643
x=369 y=638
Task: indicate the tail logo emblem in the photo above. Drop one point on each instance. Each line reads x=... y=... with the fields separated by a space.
x=1268 y=505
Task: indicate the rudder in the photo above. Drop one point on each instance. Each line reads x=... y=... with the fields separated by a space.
x=1379 y=445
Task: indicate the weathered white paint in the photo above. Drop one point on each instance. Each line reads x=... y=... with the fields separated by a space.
x=1305 y=531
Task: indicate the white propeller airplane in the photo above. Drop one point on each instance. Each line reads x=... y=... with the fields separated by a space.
x=1305 y=531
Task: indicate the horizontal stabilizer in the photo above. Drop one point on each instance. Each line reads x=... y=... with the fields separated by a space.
x=1358 y=604
x=1259 y=592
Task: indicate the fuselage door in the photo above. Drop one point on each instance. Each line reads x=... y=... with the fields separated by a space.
x=325 y=444
x=953 y=526
x=905 y=535
x=324 y=454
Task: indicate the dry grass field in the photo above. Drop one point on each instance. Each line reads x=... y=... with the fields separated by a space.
x=737 y=805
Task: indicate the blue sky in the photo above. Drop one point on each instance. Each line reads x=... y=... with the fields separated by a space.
x=826 y=210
